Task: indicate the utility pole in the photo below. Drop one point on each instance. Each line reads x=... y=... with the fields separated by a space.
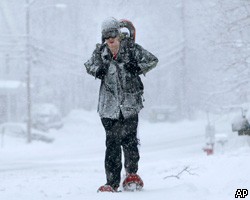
x=28 y=62
x=183 y=73
x=7 y=64
x=2 y=138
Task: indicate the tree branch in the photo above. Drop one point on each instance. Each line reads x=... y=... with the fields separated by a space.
x=178 y=176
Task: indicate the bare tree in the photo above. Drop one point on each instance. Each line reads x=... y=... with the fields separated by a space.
x=235 y=31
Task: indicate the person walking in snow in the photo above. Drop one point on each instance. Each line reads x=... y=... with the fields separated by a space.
x=118 y=64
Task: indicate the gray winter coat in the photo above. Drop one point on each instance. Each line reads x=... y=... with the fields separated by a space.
x=120 y=91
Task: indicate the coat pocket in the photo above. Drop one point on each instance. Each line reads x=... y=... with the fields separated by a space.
x=132 y=100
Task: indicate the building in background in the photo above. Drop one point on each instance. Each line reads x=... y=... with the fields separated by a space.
x=12 y=100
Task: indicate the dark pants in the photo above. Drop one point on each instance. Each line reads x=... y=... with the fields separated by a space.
x=120 y=133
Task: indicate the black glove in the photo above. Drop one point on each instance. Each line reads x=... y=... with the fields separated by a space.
x=132 y=67
x=101 y=71
x=103 y=66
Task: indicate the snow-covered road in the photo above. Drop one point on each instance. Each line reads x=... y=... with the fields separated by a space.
x=72 y=167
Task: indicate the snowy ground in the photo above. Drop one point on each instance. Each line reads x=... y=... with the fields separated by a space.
x=72 y=167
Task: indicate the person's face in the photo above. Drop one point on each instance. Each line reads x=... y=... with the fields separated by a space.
x=113 y=43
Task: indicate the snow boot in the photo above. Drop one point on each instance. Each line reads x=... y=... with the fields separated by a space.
x=107 y=188
x=132 y=182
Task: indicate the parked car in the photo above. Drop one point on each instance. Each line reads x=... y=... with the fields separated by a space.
x=46 y=116
x=241 y=125
x=163 y=113
x=20 y=130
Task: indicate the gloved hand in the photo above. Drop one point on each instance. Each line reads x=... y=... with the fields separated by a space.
x=103 y=65
x=101 y=71
x=132 y=67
